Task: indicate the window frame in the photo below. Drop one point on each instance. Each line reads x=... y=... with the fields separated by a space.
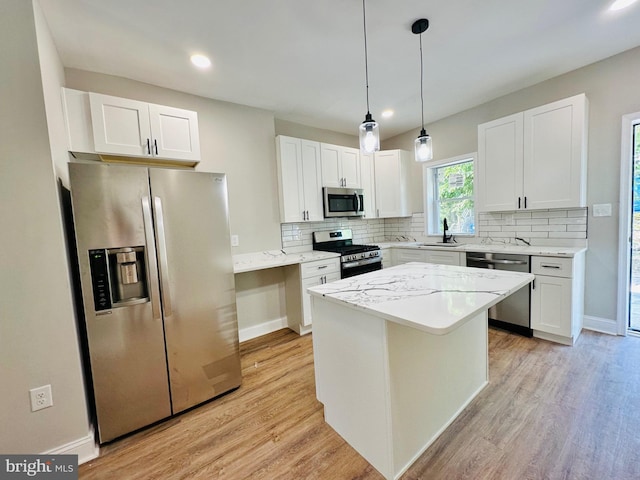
x=431 y=228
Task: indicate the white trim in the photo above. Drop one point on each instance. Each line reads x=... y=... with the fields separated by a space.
x=427 y=181
x=602 y=325
x=85 y=447
x=624 y=221
x=262 y=329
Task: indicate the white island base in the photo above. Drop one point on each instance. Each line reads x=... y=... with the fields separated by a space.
x=400 y=352
x=388 y=389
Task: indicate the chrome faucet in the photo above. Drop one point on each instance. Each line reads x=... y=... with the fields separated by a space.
x=445 y=237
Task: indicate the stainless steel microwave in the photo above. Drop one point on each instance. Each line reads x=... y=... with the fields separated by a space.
x=343 y=202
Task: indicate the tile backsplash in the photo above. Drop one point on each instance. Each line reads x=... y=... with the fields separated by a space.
x=296 y=237
x=561 y=227
x=543 y=224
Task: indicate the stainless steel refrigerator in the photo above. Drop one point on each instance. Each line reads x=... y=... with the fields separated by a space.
x=158 y=290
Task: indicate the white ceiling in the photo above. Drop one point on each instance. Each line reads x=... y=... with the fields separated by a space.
x=304 y=59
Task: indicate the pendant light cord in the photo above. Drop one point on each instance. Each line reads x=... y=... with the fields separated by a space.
x=366 y=63
x=421 y=84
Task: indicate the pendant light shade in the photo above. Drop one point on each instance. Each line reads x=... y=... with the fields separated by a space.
x=424 y=149
x=368 y=131
x=369 y=135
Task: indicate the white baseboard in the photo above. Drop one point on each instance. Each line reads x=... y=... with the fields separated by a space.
x=602 y=325
x=262 y=329
x=84 y=447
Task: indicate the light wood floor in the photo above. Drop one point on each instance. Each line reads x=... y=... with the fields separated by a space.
x=549 y=412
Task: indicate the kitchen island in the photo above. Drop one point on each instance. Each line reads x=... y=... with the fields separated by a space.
x=400 y=352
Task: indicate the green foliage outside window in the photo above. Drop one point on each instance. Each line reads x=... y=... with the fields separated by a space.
x=454 y=197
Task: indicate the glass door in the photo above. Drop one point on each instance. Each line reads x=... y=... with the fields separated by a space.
x=634 y=285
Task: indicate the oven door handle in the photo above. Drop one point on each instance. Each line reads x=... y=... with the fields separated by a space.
x=495 y=261
x=359 y=263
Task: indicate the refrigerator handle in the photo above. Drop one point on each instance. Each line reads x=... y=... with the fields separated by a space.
x=162 y=257
x=151 y=258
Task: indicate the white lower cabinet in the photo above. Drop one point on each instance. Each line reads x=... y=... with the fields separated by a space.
x=406 y=255
x=441 y=257
x=557 y=298
x=445 y=258
x=387 y=257
x=298 y=278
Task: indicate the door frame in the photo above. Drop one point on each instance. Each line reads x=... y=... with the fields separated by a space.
x=624 y=220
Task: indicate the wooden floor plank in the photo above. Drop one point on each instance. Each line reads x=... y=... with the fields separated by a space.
x=549 y=412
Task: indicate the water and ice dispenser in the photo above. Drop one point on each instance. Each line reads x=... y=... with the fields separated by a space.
x=118 y=277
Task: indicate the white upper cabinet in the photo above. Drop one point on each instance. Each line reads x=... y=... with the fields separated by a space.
x=392 y=183
x=175 y=132
x=299 y=177
x=340 y=166
x=107 y=125
x=368 y=178
x=500 y=164
x=555 y=154
x=534 y=159
x=120 y=126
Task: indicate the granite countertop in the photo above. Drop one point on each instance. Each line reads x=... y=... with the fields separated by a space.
x=433 y=298
x=552 y=251
x=248 y=262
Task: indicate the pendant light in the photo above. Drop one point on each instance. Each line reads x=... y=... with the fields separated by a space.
x=368 y=131
x=424 y=149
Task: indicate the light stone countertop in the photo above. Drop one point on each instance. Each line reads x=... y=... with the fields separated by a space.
x=551 y=251
x=433 y=298
x=248 y=262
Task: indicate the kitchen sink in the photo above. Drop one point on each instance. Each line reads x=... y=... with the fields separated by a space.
x=439 y=244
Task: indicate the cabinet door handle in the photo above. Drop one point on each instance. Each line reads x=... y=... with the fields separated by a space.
x=322 y=266
x=518 y=202
x=307 y=214
x=148 y=147
x=155 y=144
x=533 y=284
x=525 y=202
x=542 y=265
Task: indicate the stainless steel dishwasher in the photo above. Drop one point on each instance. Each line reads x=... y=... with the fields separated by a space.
x=513 y=313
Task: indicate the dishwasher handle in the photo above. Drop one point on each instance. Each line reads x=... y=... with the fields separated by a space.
x=495 y=261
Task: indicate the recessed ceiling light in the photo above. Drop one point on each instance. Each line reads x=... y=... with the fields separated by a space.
x=200 y=61
x=387 y=113
x=620 y=4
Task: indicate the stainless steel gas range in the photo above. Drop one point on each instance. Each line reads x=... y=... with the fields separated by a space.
x=354 y=259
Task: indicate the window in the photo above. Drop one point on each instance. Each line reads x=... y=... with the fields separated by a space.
x=448 y=186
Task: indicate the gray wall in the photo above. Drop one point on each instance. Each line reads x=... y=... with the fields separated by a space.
x=611 y=87
x=38 y=341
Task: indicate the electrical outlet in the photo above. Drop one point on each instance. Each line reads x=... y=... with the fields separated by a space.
x=40 y=398
x=235 y=241
x=602 y=210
